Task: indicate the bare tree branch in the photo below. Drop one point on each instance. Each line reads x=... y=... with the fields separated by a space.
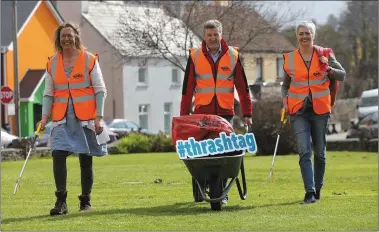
x=167 y=29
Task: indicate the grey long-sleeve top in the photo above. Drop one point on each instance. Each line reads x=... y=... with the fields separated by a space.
x=339 y=74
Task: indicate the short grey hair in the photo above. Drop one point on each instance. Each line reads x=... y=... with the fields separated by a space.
x=211 y=24
x=307 y=24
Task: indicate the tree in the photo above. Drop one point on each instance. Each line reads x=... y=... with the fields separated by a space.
x=178 y=26
x=353 y=36
x=359 y=25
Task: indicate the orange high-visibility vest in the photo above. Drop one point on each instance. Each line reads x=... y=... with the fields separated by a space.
x=206 y=87
x=303 y=80
x=78 y=86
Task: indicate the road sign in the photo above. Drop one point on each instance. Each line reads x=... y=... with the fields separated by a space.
x=6 y=94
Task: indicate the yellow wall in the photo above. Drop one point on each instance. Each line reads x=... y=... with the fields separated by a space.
x=35 y=44
x=269 y=66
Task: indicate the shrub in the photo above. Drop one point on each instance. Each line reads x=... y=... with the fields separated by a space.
x=266 y=124
x=161 y=143
x=134 y=143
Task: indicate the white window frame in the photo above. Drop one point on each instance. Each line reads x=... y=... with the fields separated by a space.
x=143 y=109
x=144 y=83
x=259 y=65
x=167 y=128
x=173 y=82
x=279 y=68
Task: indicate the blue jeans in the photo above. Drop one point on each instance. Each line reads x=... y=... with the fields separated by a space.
x=306 y=126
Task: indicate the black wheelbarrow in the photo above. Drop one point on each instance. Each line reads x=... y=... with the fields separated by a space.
x=209 y=172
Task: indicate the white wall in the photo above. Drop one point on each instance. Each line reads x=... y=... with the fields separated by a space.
x=159 y=90
x=70 y=10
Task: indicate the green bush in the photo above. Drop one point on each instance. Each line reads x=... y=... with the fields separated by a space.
x=161 y=143
x=266 y=124
x=134 y=143
x=139 y=143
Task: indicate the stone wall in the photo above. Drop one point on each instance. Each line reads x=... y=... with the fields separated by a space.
x=353 y=145
x=20 y=154
x=339 y=145
x=344 y=112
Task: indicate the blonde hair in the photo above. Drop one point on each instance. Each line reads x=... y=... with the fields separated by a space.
x=309 y=25
x=57 y=37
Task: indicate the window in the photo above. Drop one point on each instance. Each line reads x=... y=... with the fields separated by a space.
x=143 y=116
x=132 y=125
x=368 y=101
x=167 y=117
x=175 y=76
x=259 y=62
x=142 y=73
x=279 y=68
x=119 y=125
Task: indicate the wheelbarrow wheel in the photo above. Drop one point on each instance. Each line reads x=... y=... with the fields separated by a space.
x=215 y=191
x=196 y=192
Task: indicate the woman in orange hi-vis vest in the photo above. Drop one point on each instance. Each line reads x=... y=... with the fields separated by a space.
x=74 y=98
x=307 y=99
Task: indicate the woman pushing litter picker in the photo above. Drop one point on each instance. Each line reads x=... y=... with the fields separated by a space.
x=74 y=95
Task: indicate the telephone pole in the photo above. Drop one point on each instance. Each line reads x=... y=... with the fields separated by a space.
x=15 y=67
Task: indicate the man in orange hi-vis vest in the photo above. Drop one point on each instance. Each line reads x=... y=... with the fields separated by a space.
x=212 y=72
x=74 y=97
x=307 y=99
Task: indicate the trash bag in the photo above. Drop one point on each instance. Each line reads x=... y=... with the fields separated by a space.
x=199 y=126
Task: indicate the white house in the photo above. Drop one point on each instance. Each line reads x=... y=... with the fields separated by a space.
x=142 y=87
x=152 y=93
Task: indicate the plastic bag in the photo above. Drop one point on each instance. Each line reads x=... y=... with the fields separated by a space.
x=199 y=126
x=334 y=85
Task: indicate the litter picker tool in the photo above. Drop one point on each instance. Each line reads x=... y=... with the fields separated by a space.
x=283 y=120
x=36 y=135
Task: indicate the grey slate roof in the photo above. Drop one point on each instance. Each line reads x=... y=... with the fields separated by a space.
x=30 y=82
x=105 y=17
x=24 y=8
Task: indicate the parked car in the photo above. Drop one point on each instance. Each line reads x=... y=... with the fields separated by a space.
x=7 y=139
x=366 y=128
x=368 y=103
x=44 y=139
x=123 y=127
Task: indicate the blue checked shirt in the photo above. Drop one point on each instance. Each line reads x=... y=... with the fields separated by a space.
x=214 y=57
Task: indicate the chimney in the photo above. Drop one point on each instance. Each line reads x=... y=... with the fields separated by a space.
x=84 y=7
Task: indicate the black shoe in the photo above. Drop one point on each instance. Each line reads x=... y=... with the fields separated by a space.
x=60 y=207
x=309 y=198
x=85 y=203
x=318 y=194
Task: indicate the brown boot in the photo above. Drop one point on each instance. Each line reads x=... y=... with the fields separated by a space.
x=60 y=207
x=85 y=203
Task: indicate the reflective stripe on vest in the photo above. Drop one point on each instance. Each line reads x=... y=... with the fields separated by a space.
x=207 y=86
x=295 y=83
x=219 y=76
x=217 y=90
x=84 y=84
x=299 y=89
x=77 y=86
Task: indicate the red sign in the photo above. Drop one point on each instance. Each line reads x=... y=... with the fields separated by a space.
x=6 y=94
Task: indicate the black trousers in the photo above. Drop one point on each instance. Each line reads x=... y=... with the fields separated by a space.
x=60 y=171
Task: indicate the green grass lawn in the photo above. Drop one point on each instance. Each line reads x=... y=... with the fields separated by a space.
x=125 y=196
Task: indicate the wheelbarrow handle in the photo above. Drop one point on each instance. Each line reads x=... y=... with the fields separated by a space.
x=243 y=194
x=214 y=200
